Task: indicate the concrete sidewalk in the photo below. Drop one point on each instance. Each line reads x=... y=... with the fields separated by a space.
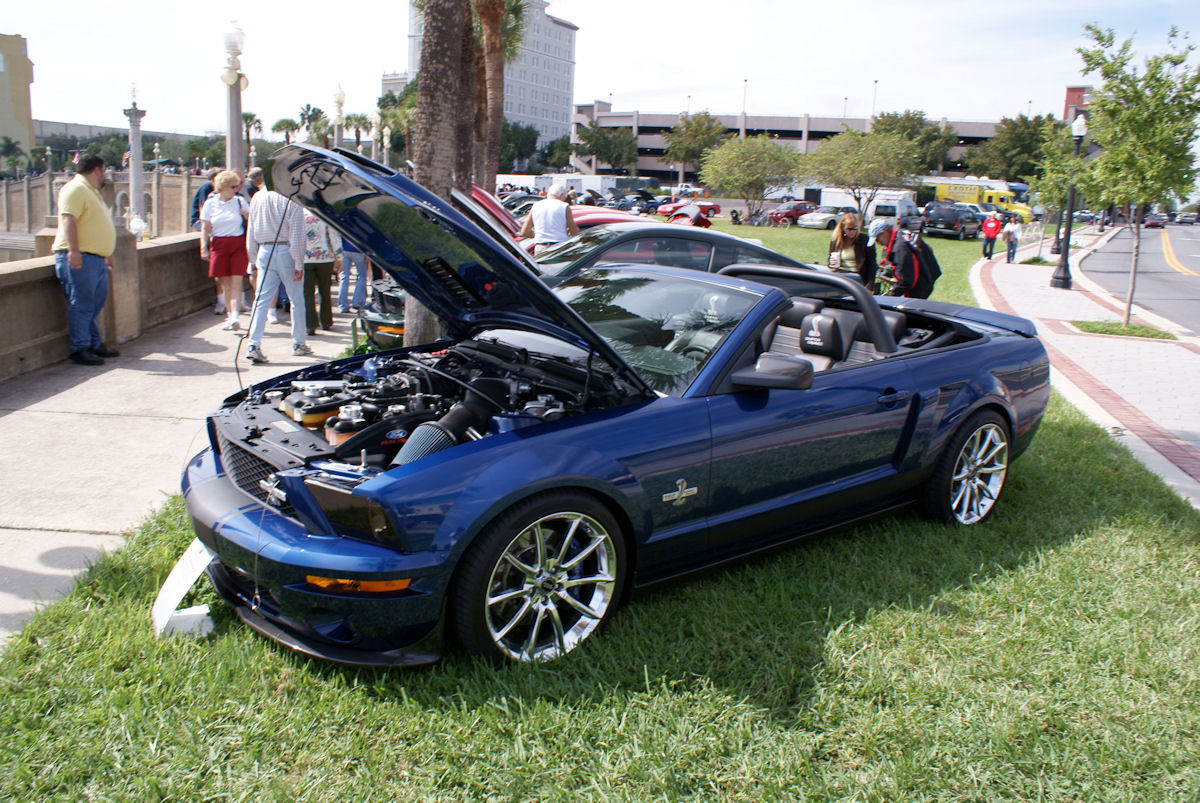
x=90 y=452
x=1143 y=391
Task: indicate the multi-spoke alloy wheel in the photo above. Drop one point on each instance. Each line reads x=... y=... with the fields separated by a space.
x=971 y=472
x=536 y=594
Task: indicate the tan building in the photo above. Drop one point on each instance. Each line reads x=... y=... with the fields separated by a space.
x=16 y=74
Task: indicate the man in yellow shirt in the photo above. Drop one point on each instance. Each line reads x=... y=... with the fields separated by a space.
x=83 y=251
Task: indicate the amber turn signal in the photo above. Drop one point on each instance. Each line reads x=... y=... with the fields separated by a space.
x=344 y=585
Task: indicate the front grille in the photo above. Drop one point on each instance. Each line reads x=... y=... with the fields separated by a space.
x=248 y=470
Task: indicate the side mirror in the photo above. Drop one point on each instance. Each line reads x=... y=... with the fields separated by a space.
x=775 y=371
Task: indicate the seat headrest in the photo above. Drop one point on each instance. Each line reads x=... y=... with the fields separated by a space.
x=821 y=334
x=800 y=309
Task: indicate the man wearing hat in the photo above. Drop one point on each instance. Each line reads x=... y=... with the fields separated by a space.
x=912 y=261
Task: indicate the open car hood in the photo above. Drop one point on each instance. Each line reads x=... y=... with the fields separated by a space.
x=439 y=256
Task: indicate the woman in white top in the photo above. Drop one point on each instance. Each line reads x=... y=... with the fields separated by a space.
x=549 y=221
x=223 y=241
x=1012 y=237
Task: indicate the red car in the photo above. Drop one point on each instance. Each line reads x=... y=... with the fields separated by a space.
x=786 y=214
x=709 y=208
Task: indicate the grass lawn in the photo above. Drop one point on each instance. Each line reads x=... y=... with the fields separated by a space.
x=1050 y=654
x=1116 y=328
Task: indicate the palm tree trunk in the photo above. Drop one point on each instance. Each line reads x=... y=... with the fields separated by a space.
x=469 y=56
x=491 y=16
x=436 y=147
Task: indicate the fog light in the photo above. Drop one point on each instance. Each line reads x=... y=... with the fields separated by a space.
x=346 y=585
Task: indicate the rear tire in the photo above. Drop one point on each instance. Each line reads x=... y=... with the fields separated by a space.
x=539 y=579
x=970 y=474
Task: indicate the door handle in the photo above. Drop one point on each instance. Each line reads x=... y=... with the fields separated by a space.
x=894 y=396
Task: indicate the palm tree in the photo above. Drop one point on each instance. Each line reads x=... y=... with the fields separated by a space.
x=11 y=152
x=309 y=115
x=360 y=123
x=287 y=127
x=502 y=25
x=437 y=142
x=250 y=120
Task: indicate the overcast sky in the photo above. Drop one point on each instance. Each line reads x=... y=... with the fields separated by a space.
x=967 y=61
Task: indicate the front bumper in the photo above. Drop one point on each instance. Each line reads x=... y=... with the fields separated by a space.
x=264 y=557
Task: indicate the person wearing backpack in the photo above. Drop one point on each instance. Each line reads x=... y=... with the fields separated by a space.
x=909 y=257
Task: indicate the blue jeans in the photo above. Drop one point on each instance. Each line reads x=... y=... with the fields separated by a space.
x=359 y=261
x=989 y=246
x=276 y=269
x=86 y=290
x=1012 y=249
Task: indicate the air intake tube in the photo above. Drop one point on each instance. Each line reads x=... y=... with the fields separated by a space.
x=475 y=411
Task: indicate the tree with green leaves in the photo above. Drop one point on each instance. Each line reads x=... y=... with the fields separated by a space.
x=501 y=28
x=358 y=123
x=399 y=113
x=11 y=152
x=694 y=134
x=862 y=164
x=931 y=141
x=615 y=147
x=1014 y=151
x=309 y=117
x=251 y=122
x=749 y=168
x=517 y=142
x=1144 y=123
x=286 y=126
x=557 y=152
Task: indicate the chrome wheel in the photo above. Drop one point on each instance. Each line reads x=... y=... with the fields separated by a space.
x=551 y=587
x=979 y=474
x=970 y=474
x=536 y=595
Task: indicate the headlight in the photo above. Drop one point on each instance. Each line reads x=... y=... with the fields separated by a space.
x=354 y=515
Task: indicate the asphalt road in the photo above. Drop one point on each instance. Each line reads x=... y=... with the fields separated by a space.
x=1168 y=277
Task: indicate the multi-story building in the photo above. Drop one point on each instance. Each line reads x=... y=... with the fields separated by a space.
x=16 y=75
x=539 y=85
x=802 y=133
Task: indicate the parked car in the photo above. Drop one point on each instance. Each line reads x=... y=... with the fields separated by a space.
x=824 y=217
x=505 y=488
x=952 y=221
x=1154 y=221
x=653 y=243
x=1188 y=218
x=709 y=208
x=786 y=214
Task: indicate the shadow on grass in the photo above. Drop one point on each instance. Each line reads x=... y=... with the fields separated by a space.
x=756 y=629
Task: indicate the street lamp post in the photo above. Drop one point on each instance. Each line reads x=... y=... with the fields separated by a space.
x=136 y=179
x=235 y=156
x=339 y=122
x=387 y=145
x=1062 y=272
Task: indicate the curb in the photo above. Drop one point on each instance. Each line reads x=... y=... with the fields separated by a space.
x=1174 y=460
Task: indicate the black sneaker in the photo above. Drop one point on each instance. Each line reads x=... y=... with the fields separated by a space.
x=101 y=351
x=85 y=357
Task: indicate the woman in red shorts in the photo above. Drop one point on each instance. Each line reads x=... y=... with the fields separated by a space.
x=223 y=241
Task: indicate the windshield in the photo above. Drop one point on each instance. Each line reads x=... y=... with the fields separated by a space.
x=665 y=327
x=554 y=261
x=829 y=210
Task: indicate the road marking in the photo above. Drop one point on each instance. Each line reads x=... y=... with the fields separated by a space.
x=1169 y=254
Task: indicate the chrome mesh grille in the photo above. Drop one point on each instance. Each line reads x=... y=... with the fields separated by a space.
x=248 y=470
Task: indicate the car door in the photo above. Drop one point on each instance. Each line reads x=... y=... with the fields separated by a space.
x=787 y=460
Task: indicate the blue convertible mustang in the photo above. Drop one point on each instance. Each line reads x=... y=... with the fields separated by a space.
x=506 y=487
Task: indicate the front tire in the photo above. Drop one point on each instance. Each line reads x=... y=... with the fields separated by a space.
x=540 y=579
x=970 y=474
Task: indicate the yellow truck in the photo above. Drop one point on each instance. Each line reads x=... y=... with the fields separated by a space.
x=978 y=191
